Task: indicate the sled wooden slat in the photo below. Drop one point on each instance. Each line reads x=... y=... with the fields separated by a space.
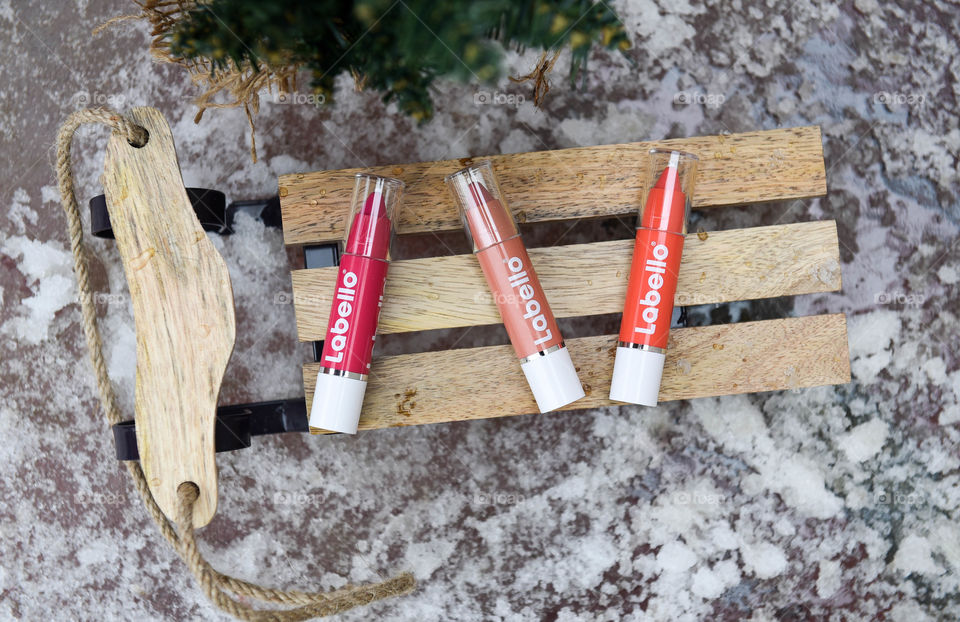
x=591 y=279
x=582 y=182
x=486 y=382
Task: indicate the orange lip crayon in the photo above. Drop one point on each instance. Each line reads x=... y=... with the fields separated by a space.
x=645 y=327
x=523 y=306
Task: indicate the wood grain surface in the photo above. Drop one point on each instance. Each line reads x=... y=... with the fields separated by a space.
x=583 y=182
x=480 y=383
x=590 y=279
x=183 y=309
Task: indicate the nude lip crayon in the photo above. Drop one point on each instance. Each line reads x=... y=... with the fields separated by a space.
x=355 y=310
x=523 y=307
x=645 y=327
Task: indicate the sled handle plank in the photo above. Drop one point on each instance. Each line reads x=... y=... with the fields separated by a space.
x=183 y=309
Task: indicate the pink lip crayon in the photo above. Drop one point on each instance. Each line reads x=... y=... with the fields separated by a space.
x=355 y=310
x=533 y=331
x=645 y=327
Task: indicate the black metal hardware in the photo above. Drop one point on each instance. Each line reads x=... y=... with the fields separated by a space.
x=235 y=425
x=679 y=317
x=209 y=206
x=266 y=211
x=320 y=256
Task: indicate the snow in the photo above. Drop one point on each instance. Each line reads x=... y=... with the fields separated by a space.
x=765 y=560
x=20 y=213
x=828 y=578
x=864 y=441
x=426 y=557
x=915 y=554
x=948 y=275
x=739 y=427
x=48 y=270
x=675 y=557
x=706 y=584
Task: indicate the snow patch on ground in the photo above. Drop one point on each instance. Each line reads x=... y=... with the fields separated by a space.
x=864 y=441
x=48 y=271
x=765 y=560
x=738 y=426
x=915 y=554
x=675 y=557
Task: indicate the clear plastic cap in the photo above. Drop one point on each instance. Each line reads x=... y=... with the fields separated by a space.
x=371 y=222
x=483 y=210
x=668 y=184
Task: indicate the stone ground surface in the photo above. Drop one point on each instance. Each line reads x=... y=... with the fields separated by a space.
x=835 y=502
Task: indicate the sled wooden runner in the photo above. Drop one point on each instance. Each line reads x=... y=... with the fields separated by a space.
x=588 y=279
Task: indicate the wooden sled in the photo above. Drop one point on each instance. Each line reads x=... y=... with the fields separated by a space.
x=180 y=286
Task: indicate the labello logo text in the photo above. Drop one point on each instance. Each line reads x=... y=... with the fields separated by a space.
x=653 y=269
x=341 y=325
x=520 y=280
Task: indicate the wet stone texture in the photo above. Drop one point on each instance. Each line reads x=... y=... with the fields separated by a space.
x=834 y=502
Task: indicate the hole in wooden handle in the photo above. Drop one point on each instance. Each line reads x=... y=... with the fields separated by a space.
x=146 y=139
x=188 y=491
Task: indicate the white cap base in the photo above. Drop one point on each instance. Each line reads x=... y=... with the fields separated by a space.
x=553 y=379
x=636 y=376
x=337 y=401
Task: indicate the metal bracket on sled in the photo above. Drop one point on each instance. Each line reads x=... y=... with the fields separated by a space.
x=210 y=207
x=235 y=425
